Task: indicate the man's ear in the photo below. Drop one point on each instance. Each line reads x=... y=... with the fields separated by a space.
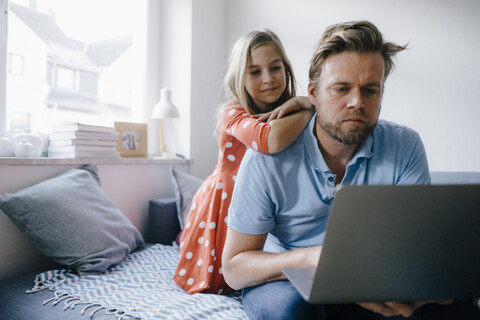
x=312 y=93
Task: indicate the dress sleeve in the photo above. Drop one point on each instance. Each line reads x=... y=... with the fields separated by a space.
x=248 y=130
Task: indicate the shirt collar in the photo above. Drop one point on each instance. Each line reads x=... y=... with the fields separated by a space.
x=316 y=157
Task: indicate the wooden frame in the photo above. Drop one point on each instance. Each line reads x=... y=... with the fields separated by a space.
x=132 y=139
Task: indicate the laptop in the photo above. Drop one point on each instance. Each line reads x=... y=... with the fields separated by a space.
x=397 y=243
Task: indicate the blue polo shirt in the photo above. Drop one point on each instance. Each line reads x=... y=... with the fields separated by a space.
x=289 y=194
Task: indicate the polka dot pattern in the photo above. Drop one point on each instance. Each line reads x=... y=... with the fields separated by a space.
x=200 y=262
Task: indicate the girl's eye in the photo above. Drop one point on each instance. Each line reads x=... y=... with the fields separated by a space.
x=277 y=68
x=255 y=72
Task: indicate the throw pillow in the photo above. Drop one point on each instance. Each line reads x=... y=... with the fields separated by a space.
x=70 y=219
x=185 y=187
x=163 y=224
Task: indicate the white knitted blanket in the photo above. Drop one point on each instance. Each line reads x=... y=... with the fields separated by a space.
x=140 y=287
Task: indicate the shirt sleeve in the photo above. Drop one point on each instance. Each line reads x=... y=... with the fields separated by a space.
x=245 y=128
x=251 y=210
x=415 y=169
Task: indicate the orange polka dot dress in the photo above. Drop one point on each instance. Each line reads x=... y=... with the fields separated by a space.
x=203 y=237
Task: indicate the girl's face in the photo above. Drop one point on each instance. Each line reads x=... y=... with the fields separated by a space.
x=265 y=80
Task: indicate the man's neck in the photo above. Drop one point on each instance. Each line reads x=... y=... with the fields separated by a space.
x=336 y=154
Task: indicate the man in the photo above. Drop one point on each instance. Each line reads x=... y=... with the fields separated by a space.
x=279 y=210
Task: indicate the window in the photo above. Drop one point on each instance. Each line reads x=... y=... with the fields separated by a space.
x=74 y=61
x=15 y=64
x=65 y=78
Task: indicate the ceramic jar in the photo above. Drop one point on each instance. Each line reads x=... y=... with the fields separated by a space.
x=34 y=139
x=24 y=149
x=6 y=147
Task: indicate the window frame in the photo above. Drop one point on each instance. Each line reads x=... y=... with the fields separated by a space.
x=3 y=63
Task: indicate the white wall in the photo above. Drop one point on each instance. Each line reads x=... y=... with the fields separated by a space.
x=209 y=54
x=434 y=88
x=193 y=57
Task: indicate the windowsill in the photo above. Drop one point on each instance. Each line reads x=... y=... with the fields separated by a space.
x=42 y=161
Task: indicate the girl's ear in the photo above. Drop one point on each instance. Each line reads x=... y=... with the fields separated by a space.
x=312 y=93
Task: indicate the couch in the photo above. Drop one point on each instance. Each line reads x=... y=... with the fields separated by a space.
x=100 y=265
x=163 y=227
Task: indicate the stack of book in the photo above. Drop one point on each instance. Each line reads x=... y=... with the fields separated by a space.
x=82 y=141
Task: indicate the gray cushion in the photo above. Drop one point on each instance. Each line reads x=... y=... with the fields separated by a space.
x=185 y=187
x=70 y=219
x=163 y=225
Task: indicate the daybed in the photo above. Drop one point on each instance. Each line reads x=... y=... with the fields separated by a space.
x=137 y=282
x=121 y=278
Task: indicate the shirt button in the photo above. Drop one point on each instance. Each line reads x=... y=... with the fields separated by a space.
x=330 y=179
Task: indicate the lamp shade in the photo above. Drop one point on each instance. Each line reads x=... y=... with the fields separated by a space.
x=165 y=109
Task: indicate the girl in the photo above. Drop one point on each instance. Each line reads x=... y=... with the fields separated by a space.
x=259 y=79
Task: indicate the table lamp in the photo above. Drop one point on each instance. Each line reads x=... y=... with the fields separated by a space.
x=164 y=109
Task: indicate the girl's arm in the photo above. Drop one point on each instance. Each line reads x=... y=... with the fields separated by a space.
x=285 y=130
x=290 y=106
x=270 y=137
x=287 y=122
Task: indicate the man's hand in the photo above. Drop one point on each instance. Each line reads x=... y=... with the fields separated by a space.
x=313 y=254
x=388 y=309
x=395 y=308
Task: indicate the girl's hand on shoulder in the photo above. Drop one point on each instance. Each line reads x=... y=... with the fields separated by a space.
x=293 y=105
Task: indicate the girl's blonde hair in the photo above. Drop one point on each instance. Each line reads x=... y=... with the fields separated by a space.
x=234 y=81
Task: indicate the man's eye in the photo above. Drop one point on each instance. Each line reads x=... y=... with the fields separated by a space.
x=341 y=90
x=370 y=91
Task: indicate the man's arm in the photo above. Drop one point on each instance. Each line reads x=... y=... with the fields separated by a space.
x=245 y=264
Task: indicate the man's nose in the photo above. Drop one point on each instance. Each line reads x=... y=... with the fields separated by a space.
x=355 y=99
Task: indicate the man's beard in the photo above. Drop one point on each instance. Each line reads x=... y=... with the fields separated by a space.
x=353 y=135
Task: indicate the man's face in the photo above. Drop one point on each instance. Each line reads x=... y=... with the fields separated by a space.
x=347 y=96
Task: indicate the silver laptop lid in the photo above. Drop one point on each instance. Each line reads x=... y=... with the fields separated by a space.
x=394 y=243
